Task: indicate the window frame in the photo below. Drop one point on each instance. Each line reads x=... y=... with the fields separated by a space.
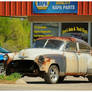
x=85 y=51
x=76 y=49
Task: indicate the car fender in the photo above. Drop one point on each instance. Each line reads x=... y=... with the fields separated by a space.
x=53 y=59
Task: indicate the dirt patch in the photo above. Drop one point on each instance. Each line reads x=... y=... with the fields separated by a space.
x=7 y=82
x=19 y=81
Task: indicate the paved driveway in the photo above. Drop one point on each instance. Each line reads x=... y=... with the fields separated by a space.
x=70 y=83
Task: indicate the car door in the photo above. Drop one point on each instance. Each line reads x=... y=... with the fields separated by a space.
x=83 y=56
x=71 y=57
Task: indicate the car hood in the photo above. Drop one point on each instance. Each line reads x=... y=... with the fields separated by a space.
x=11 y=55
x=32 y=53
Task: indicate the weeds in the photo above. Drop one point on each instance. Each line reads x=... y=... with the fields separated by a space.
x=13 y=76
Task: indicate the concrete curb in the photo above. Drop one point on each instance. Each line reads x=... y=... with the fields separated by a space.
x=20 y=81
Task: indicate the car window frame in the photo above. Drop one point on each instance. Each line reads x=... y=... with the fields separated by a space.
x=85 y=50
x=71 y=50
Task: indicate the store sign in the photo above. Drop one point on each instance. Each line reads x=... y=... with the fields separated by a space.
x=55 y=7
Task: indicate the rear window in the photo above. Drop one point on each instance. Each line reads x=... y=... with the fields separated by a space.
x=83 y=48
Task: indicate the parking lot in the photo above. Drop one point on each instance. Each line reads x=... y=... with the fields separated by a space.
x=70 y=83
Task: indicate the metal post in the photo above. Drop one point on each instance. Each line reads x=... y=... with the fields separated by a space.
x=59 y=33
x=31 y=34
x=89 y=33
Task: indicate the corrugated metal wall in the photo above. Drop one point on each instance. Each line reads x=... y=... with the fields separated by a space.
x=15 y=8
x=25 y=8
x=85 y=8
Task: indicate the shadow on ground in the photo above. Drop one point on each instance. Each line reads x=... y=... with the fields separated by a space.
x=64 y=82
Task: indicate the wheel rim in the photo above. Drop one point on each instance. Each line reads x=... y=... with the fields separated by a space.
x=54 y=74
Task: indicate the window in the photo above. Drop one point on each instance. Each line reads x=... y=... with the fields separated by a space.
x=39 y=44
x=83 y=48
x=45 y=30
x=71 y=46
x=51 y=44
x=77 y=30
x=54 y=44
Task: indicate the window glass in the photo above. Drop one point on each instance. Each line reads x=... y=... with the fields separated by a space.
x=54 y=44
x=71 y=46
x=77 y=30
x=39 y=44
x=83 y=47
x=51 y=44
x=44 y=30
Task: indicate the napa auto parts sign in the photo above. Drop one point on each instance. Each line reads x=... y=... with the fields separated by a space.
x=55 y=7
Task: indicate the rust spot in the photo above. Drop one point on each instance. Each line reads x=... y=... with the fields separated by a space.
x=9 y=60
x=59 y=38
x=75 y=74
x=46 y=60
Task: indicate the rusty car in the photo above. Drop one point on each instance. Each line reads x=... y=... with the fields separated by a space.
x=54 y=58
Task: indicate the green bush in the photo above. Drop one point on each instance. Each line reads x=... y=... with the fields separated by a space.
x=13 y=32
x=2 y=77
x=13 y=76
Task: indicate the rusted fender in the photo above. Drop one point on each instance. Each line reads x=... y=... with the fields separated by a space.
x=52 y=59
x=11 y=56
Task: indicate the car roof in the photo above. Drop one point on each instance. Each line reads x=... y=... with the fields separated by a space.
x=66 y=39
x=58 y=38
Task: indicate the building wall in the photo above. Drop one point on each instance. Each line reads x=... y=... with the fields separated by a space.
x=85 y=8
x=25 y=8
x=15 y=8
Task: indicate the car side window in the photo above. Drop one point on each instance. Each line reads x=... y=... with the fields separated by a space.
x=83 y=48
x=71 y=46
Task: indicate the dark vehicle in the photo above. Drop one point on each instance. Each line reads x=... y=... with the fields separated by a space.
x=2 y=50
x=3 y=58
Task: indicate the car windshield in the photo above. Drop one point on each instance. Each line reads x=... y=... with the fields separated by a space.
x=50 y=43
x=2 y=50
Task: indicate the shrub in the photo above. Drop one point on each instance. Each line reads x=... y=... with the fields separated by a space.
x=13 y=76
x=2 y=77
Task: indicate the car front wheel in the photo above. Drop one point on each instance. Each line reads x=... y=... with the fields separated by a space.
x=53 y=74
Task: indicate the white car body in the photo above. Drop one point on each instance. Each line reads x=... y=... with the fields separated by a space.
x=73 y=57
x=76 y=62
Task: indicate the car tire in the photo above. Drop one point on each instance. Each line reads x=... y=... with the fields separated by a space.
x=53 y=75
x=61 y=79
x=89 y=78
x=9 y=70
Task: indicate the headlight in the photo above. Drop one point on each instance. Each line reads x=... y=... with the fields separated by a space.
x=41 y=59
x=5 y=57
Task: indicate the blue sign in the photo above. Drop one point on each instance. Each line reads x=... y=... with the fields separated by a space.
x=55 y=7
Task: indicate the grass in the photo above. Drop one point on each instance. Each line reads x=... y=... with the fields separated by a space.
x=12 y=77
